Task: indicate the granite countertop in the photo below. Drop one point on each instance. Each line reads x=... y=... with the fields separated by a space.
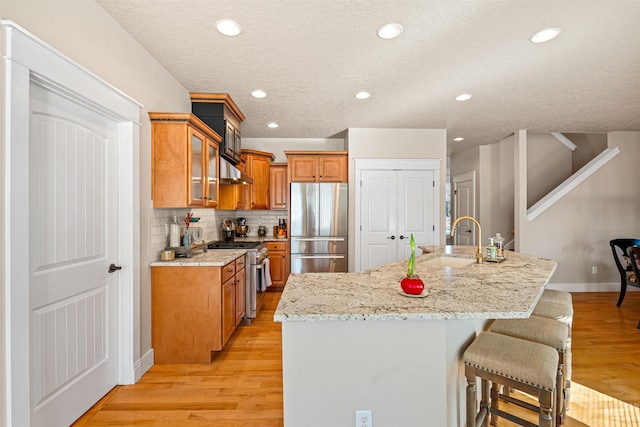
x=214 y=257
x=509 y=289
x=211 y=258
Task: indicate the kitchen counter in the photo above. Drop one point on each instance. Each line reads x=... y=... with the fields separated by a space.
x=211 y=258
x=490 y=290
x=350 y=341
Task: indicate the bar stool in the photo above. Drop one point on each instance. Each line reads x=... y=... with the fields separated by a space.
x=545 y=331
x=515 y=363
x=558 y=305
x=557 y=296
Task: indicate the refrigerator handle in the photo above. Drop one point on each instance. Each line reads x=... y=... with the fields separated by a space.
x=318 y=239
x=318 y=256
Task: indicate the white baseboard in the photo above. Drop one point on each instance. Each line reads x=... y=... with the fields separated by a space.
x=590 y=287
x=144 y=364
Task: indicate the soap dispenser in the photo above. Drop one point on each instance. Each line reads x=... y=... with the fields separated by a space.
x=492 y=250
x=499 y=242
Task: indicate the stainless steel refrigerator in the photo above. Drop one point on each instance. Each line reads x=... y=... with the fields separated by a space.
x=318 y=227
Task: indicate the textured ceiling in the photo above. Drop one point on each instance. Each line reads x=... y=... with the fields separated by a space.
x=312 y=56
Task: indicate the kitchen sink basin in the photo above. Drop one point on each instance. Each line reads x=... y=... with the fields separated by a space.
x=449 y=261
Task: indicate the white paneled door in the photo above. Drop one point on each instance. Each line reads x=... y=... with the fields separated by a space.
x=464 y=205
x=393 y=205
x=73 y=239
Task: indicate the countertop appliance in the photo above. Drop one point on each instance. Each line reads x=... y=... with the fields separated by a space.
x=319 y=227
x=255 y=261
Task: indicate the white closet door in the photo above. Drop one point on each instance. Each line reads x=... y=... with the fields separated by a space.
x=378 y=211
x=415 y=210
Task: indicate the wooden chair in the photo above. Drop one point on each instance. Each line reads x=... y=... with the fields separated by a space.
x=620 y=249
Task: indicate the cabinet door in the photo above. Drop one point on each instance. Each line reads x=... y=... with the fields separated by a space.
x=230 y=140
x=240 y=294
x=237 y=144
x=259 y=167
x=332 y=169
x=303 y=168
x=277 y=261
x=212 y=174
x=196 y=168
x=228 y=309
x=278 y=196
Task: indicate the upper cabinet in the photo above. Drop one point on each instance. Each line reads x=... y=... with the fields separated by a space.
x=318 y=166
x=278 y=192
x=222 y=115
x=258 y=167
x=185 y=161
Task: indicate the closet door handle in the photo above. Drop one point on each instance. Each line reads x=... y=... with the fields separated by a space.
x=392 y=237
x=403 y=237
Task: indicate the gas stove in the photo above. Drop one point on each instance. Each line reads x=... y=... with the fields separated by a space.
x=233 y=245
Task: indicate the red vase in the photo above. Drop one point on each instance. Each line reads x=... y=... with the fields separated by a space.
x=412 y=285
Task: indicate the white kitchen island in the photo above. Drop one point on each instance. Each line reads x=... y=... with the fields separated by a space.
x=351 y=342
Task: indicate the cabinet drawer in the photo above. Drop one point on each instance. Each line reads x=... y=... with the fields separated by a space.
x=228 y=271
x=277 y=246
x=240 y=263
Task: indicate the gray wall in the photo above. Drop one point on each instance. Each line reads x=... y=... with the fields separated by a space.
x=577 y=229
x=496 y=188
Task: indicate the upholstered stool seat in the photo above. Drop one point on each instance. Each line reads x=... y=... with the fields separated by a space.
x=512 y=362
x=545 y=331
x=554 y=310
x=557 y=296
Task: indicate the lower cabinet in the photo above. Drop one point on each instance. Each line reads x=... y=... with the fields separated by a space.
x=278 y=261
x=195 y=310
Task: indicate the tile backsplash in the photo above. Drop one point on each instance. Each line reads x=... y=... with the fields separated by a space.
x=210 y=222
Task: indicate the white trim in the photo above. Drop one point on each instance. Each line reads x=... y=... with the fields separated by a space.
x=29 y=58
x=395 y=164
x=144 y=364
x=572 y=182
x=590 y=287
x=564 y=140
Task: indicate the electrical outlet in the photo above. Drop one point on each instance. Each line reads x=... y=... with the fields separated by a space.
x=594 y=269
x=363 y=419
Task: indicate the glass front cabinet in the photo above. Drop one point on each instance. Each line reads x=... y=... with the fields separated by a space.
x=185 y=161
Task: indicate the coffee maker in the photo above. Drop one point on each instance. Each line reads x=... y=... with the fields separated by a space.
x=227 y=230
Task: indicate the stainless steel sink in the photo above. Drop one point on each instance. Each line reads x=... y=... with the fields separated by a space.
x=449 y=261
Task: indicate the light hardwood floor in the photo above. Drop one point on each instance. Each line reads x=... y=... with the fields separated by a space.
x=243 y=386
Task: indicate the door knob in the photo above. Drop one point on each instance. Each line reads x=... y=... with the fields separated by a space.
x=113 y=268
x=403 y=237
x=392 y=237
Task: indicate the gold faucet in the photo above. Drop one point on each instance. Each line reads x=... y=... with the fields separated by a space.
x=479 y=248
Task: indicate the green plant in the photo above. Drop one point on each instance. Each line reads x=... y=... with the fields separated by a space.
x=411 y=270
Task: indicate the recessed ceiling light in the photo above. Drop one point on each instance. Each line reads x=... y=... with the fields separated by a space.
x=259 y=93
x=464 y=97
x=228 y=27
x=272 y=125
x=390 y=31
x=458 y=139
x=363 y=95
x=545 y=35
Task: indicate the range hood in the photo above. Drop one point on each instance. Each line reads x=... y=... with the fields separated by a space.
x=230 y=174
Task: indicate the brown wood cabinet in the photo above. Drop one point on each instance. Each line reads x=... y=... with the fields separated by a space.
x=278 y=256
x=184 y=161
x=279 y=187
x=318 y=166
x=258 y=168
x=195 y=310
